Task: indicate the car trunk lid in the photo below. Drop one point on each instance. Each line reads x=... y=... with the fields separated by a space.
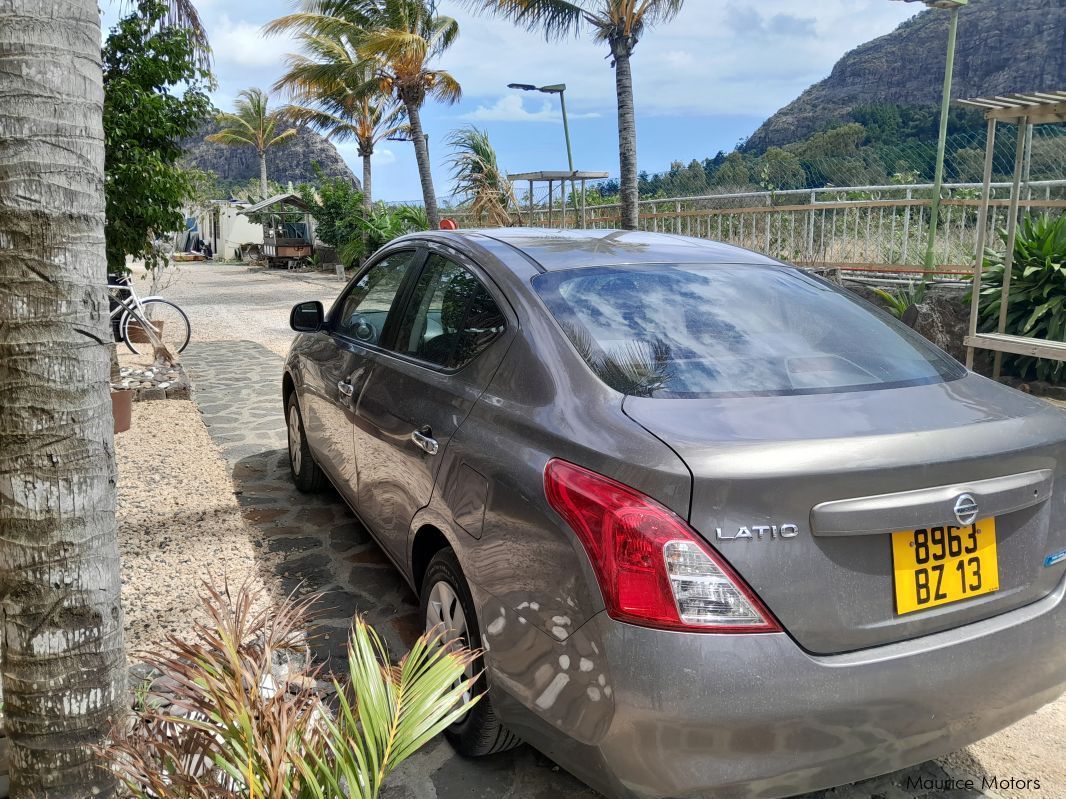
x=801 y=494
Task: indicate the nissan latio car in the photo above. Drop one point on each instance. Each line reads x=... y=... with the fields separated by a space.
x=719 y=527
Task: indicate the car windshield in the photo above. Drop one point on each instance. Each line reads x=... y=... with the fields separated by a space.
x=733 y=330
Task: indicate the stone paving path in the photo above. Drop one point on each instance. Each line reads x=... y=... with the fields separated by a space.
x=237 y=386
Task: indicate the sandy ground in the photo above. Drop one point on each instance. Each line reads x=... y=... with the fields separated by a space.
x=179 y=522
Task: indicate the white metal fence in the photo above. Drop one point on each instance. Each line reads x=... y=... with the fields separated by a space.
x=857 y=227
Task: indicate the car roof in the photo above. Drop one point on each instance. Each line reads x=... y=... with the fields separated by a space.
x=555 y=250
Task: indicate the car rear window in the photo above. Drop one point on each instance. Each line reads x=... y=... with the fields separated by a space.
x=733 y=330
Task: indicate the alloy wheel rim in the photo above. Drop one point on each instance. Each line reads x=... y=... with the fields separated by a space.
x=444 y=612
x=295 y=440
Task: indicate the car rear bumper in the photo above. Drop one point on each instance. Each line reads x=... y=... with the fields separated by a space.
x=756 y=716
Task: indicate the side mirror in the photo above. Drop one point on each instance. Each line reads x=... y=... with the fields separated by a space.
x=307 y=317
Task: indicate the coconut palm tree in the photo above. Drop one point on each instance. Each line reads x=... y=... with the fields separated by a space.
x=619 y=23
x=328 y=85
x=399 y=40
x=63 y=664
x=478 y=177
x=253 y=125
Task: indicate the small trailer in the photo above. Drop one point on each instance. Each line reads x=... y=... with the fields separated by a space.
x=288 y=229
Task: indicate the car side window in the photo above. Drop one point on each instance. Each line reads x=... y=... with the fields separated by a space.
x=361 y=314
x=451 y=318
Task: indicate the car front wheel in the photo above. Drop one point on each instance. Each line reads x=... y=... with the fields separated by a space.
x=306 y=474
x=447 y=606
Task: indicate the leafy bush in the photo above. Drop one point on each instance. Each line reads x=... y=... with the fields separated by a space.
x=236 y=729
x=1037 y=307
x=337 y=206
x=380 y=226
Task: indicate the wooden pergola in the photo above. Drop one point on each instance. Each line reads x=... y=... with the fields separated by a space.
x=1023 y=110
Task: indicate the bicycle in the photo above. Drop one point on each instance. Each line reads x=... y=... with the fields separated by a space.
x=134 y=314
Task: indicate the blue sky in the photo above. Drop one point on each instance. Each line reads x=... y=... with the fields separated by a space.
x=702 y=82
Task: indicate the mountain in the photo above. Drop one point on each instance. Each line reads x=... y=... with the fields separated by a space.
x=1003 y=46
x=289 y=161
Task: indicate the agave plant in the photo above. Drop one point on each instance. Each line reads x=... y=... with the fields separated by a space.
x=902 y=299
x=237 y=730
x=1037 y=306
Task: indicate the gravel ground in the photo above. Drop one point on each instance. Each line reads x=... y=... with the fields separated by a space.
x=236 y=301
x=179 y=522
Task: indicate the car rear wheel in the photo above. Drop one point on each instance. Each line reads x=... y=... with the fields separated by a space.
x=447 y=604
x=306 y=474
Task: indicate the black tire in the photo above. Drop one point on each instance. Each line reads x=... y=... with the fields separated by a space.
x=182 y=337
x=480 y=733
x=306 y=474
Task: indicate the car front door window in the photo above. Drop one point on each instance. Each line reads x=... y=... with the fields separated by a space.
x=361 y=315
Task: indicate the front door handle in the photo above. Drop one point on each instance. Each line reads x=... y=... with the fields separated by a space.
x=425 y=441
x=345 y=388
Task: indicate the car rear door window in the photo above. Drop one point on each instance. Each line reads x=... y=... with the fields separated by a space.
x=361 y=314
x=451 y=318
x=733 y=330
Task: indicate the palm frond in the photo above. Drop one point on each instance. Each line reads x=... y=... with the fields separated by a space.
x=478 y=178
x=557 y=19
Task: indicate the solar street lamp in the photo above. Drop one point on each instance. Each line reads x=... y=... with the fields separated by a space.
x=954 y=6
x=559 y=89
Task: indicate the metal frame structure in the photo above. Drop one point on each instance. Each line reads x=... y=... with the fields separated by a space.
x=1023 y=110
x=551 y=178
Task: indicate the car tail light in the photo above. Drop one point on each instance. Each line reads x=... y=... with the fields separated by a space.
x=653 y=569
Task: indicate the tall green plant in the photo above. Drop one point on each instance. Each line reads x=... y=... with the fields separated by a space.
x=398 y=41
x=252 y=124
x=333 y=91
x=618 y=23
x=1037 y=306
x=154 y=96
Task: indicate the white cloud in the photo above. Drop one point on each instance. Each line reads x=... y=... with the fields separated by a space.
x=241 y=43
x=383 y=157
x=511 y=108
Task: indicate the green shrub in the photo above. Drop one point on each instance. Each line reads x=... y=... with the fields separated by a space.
x=219 y=722
x=1037 y=307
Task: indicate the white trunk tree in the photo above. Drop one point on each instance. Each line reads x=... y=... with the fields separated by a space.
x=61 y=655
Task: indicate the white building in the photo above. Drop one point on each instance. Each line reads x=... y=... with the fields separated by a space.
x=221 y=226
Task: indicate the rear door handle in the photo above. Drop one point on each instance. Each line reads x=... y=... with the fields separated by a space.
x=425 y=441
x=345 y=388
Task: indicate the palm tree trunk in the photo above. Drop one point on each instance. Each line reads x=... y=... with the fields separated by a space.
x=627 y=134
x=425 y=173
x=61 y=655
x=368 y=201
x=263 y=174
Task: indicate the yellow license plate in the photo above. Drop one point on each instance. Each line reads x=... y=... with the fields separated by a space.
x=937 y=565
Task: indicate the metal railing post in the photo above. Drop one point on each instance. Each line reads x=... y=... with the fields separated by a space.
x=982 y=232
x=1012 y=233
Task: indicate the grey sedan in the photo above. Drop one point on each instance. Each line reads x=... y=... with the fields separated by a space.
x=719 y=527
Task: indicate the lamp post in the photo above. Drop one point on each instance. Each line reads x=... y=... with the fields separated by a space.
x=559 y=89
x=954 y=6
